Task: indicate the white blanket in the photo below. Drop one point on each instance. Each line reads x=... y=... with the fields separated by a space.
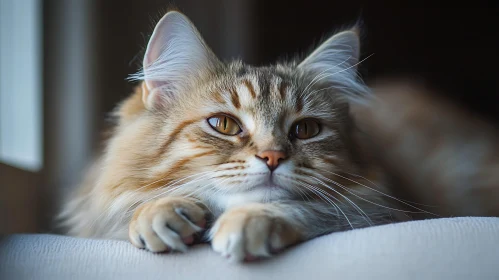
x=458 y=248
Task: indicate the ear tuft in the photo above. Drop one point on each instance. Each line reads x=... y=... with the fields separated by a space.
x=176 y=55
x=341 y=50
x=334 y=62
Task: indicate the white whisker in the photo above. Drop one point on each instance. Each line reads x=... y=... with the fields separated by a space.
x=323 y=194
x=380 y=192
x=362 y=213
x=171 y=187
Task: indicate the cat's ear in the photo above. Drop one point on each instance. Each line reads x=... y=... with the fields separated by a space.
x=176 y=56
x=338 y=53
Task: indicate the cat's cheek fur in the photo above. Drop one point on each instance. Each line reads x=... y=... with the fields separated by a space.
x=253 y=231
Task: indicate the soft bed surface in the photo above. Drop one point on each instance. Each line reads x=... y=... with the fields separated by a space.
x=456 y=248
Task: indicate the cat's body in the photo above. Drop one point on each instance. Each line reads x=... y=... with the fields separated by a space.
x=269 y=154
x=438 y=153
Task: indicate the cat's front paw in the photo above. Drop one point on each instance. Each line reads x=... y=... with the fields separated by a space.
x=166 y=224
x=252 y=232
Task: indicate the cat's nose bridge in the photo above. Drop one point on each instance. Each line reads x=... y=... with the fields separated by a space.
x=269 y=137
x=269 y=141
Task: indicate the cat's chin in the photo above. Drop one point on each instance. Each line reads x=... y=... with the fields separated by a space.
x=261 y=193
x=267 y=187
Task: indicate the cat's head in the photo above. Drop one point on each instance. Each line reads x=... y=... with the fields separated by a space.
x=232 y=133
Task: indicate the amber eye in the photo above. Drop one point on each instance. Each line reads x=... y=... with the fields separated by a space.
x=225 y=125
x=305 y=129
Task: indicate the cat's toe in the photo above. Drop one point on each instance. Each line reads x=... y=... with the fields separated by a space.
x=230 y=246
x=249 y=234
x=241 y=244
x=258 y=231
x=168 y=225
x=148 y=240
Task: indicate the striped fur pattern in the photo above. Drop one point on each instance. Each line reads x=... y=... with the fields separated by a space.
x=166 y=176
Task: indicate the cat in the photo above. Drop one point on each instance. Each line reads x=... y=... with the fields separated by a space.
x=253 y=159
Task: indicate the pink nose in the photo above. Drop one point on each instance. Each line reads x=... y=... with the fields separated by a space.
x=272 y=158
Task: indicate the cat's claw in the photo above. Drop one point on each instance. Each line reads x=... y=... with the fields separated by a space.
x=166 y=224
x=250 y=233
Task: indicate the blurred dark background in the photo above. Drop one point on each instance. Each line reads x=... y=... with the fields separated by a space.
x=90 y=47
x=452 y=47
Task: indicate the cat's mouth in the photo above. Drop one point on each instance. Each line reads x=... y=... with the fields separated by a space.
x=267 y=184
x=270 y=184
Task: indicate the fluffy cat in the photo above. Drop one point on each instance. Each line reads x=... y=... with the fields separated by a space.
x=260 y=157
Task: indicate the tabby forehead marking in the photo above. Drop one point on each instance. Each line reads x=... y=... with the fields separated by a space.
x=218 y=97
x=250 y=87
x=275 y=88
x=245 y=94
x=299 y=103
x=282 y=90
x=234 y=98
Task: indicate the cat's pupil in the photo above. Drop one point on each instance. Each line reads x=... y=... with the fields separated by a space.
x=306 y=129
x=224 y=124
x=301 y=129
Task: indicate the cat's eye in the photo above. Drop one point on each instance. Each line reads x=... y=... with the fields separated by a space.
x=224 y=124
x=306 y=128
